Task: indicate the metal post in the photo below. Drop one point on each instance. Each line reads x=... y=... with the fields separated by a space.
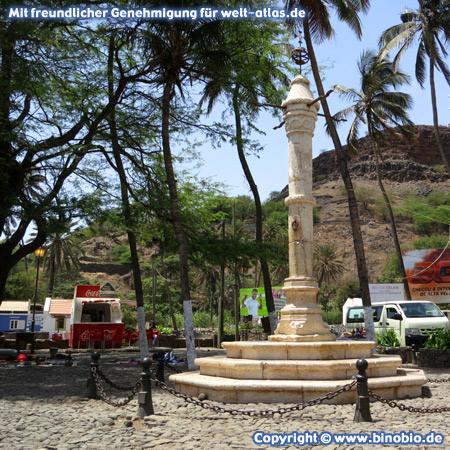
x=362 y=413
x=159 y=357
x=145 y=395
x=91 y=391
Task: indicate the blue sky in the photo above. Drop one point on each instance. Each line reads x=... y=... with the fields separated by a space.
x=340 y=55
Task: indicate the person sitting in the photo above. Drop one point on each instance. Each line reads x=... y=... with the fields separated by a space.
x=153 y=334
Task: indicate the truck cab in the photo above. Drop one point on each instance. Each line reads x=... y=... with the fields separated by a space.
x=410 y=319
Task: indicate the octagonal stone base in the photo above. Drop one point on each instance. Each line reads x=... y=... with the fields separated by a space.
x=293 y=372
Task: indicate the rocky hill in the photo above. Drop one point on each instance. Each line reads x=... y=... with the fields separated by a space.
x=402 y=160
x=408 y=168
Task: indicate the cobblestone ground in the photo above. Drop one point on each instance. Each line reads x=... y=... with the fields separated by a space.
x=44 y=408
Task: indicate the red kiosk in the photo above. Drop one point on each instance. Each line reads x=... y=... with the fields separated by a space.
x=96 y=318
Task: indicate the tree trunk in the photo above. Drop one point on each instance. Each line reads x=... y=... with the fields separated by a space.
x=436 y=119
x=258 y=238
x=221 y=297
x=129 y=223
x=391 y=217
x=169 y=293
x=178 y=227
x=352 y=204
x=51 y=281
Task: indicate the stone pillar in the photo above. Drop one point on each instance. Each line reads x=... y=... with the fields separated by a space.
x=301 y=319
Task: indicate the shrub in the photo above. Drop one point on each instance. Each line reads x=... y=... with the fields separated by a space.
x=427 y=242
x=440 y=339
x=389 y=339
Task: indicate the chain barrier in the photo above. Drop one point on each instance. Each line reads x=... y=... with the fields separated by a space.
x=112 y=384
x=108 y=400
x=438 y=380
x=253 y=412
x=403 y=407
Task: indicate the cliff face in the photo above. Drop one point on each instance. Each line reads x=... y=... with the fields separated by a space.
x=402 y=160
x=407 y=169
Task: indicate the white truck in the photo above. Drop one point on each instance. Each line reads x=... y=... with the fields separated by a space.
x=410 y=319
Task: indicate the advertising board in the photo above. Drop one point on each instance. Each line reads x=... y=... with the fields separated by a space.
x=279 y=298
x=428 y=273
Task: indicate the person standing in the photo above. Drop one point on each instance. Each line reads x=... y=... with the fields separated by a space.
x=252 y=304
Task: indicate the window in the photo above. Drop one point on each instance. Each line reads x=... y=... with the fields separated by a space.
x=16 y=324
x=416 y=309
x=390 y=313
x=356 y=315
x=60 y=323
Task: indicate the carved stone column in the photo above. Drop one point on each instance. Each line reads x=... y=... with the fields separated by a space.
x=301 y=318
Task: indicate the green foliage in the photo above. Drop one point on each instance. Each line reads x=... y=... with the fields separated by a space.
x=429 y=215
x=129 y=317
x=440 y=339
x=316 y=214
x=427 y=242
x=349 y=289
x=333 y=317
x=201 y=319
x=389 y=339
x=327 y=263
x=20 y=286
x=165 y=330
x=121 y=252
x=364 y=196
x=391 y=270
x=439 y=168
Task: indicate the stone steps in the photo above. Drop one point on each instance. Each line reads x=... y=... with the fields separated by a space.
x=407 y=383
x=296 y=372
x=342 y=369
x=328 y=350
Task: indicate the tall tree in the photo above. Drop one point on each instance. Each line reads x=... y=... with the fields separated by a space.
x=379 y=105
x=430 y=24
x=257 y=74
x=184 y=52
x=118 y=151
x=327 y=265
x=48 y=119
x=317 y=26
x=61 y=252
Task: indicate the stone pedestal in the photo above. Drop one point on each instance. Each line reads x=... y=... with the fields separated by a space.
x=301 y=318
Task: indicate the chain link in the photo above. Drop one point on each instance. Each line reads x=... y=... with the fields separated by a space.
x=112 y=384
x=107 y=399
x=438 y=380
x=253 y=412
x=403 y=407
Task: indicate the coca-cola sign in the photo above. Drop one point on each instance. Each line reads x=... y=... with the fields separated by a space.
x=83 y=290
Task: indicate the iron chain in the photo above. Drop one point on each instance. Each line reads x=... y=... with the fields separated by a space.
x=112 y=384
x=403 y=407
x=252 y=412
x=108 y=400
x=438 y=380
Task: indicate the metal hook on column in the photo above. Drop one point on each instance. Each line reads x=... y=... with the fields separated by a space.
x=295 y=222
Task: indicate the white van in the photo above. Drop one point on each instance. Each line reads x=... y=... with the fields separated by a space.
x=409 y=318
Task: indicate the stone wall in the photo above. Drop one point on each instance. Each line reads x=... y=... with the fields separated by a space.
x=405 y=352
x=429 y=357
x=253 y=335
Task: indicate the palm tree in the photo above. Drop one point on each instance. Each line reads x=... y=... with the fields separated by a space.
x=317 y=26
x=380 y=108
x=256 y=74
x=327 y=265
x=61 y=252
x=430 y=24
x=183 y=52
